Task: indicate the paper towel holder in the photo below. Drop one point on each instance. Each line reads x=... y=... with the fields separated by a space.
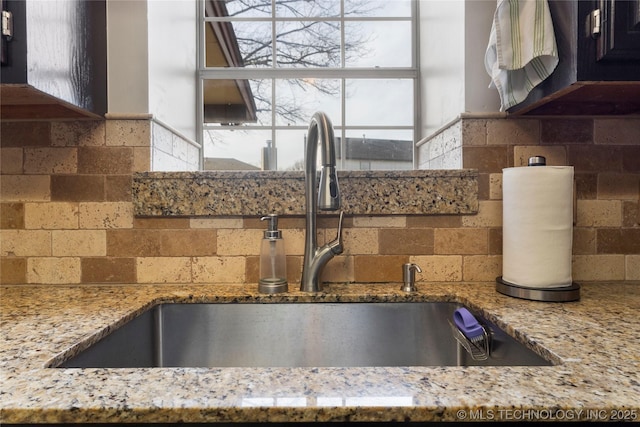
x=562 y=294
x=537 y=161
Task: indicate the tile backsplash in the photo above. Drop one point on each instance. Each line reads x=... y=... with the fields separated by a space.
x=67 y=214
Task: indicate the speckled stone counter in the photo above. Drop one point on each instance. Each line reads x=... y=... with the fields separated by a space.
x=594 y=344
x=256 y=193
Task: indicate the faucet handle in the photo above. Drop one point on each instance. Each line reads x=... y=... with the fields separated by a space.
x=336 y=245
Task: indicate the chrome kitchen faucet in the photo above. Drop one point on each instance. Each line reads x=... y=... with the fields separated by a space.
x=324 y=195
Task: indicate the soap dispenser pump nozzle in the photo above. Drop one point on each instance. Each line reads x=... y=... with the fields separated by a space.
x=272 y=231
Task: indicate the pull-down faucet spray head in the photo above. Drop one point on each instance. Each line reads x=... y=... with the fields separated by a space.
x=321 y=135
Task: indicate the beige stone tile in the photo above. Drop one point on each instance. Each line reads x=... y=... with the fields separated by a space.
x=398 y=221
x=632 y=267
x=25 y=243
x=584 y=241
x=12 y=216
x=495 y=241
x=252 y=269
x=118 y=188
x=219 y=269
x=438 y=268
x=239 y=242
x=598 y=267
x=513 y=132
x=108 y=270
x=495 y=186
x=128 y=133
x=567 y=130
x=599 y=213
x=474 y=132
x=294 y=241
x=13 y=270
x=186 y=242
x=25 y=187
x=125 y=242
x=11 y=161
x=631 y=213
x=618 y=186
x=357 y=241
x=26 y=134
x=52 y=216
x=404 y=241
x=434 y=221
x=78 y=133
x=103 y=215
x=481 y=268
x=105 y=160
x=616 y=131
x=56 y=271
x=164 y=270
x=141 y=159
x=489 y=215
x=554 y=155
x=162 y=223
x=216 y=223
x=338 y=270
x=618 y=240
x=378 y=269
x=77 y=188
x=595 y=158
x=463 y=241
x=48 y=160
x=489 y=159
x=79 y=243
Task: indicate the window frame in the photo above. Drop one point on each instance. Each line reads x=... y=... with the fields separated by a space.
x=342 y=73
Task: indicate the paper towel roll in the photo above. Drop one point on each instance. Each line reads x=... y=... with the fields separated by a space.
x=537 y=230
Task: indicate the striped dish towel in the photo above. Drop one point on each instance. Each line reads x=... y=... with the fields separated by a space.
x=522 y=49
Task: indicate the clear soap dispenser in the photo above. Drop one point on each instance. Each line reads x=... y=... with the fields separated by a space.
x=273 y=263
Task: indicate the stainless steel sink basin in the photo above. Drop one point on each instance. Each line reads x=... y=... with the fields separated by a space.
x=296 y=335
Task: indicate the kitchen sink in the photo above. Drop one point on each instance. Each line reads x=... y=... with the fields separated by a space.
x=296 y=335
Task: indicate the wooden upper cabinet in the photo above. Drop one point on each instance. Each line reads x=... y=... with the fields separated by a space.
x=54 y=61
x=619 y=38
x=599 y=68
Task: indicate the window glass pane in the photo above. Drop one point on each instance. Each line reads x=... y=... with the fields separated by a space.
x=306 y=8
x=370 y=149
x=245 y=8
x=298 y=99
x=377 y=8
x=380 y=102
x=238 y=44
x=290 y=146
x=254 y=42
x=234 y=149
x=308 y=44
x=378 y=44
x=237 y=101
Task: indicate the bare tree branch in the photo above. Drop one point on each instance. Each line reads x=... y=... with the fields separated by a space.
x=311 y=43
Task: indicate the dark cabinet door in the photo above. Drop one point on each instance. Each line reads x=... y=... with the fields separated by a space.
x=620 y=30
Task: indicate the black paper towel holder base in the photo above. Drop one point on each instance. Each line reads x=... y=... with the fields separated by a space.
x=562 y=294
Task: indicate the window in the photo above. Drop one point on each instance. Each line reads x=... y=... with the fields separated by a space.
x=267 y=65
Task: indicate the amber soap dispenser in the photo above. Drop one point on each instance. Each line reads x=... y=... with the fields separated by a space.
x=273 y=262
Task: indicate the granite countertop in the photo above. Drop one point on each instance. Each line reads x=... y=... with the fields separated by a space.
x=594 y=344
